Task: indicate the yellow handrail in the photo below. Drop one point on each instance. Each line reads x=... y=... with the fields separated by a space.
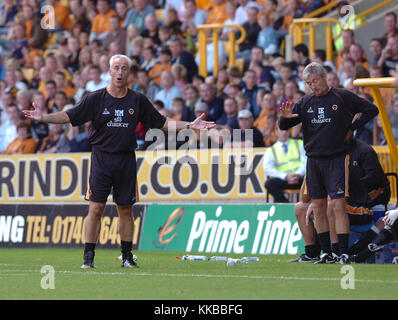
x=232 y=42
x=373 y=9
x=298 y=25
x=322 y=9
x=375 y=84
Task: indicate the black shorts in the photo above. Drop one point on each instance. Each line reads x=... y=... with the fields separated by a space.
x=327 y=177
x=112 y=172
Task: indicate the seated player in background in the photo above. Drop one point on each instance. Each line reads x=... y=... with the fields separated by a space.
x=368 y=187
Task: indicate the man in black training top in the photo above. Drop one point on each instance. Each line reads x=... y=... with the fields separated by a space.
x=115 y=112
x=327 y=117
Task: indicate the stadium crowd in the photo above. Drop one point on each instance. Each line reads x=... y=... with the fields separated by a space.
x=55 y=68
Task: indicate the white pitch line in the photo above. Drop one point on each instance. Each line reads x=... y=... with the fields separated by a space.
x=144 y=274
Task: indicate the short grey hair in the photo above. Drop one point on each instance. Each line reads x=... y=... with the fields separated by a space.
x=122 y=56
x=313 y=67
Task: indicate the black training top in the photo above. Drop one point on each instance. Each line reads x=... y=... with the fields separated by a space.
x=369 y=185
x=114 y=120
x=327 y=119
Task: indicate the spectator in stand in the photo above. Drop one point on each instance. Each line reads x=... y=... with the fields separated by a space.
x=162 y=64
x=8 y=127
x=217 y=13
x=8 y=11
x=390 y=23
x=172 y=22
x=230 y=115
x=23 y=144
x=230 y=9
x=61 y=100
x=319 y=55
x=121 y=10
x=247 y=136
x=39 y=129
x=375 y=48
x=138 y=13
x=357 y=54
x=78 y=16
x=150 y=59
x=95 y=82
x=63 y=84
x=24 y=100
x=241 y=11
x=333 y=80
x=146 y=86
x=12 y=84
x=180 y=111
x=250 y=90
x=101 y=26
x=169 y=90
x=36 y=35
x=180 y=55
x=214 y=103
x=278 y=90
x=268 y=38
x=300 y=57
x=180 y=75
x=193 y=17
x=288 y=13
x=308 y=6
x=191 y=96
x=348 y=37
x=151 y=29
x=49 y=144
x=115 y=33
x=389 y=57
x=268 y=107
x=252 y=29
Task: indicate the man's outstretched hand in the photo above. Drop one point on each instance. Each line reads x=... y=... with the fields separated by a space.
x=286 y=110
x=200 y=124
x=35 y=114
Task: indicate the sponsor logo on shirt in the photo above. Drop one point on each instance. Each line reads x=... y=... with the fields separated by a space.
x=118 y=120
x=106 y=111
x=335 y=107
x=321 y=117
x=310 y=109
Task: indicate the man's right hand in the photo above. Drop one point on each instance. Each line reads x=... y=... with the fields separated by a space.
x=35 y=114
x=286 y=110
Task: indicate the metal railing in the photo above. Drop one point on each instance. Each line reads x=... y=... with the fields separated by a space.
x=230 y=47
x=375 y=84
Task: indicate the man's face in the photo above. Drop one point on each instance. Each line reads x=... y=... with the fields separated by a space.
x=166 y=80
x=23 y=133
x=250 y=79
x=390 y=23
x=142 y=79
x=175 y=48
x=13 y=113
x=60 y=100
x=257 y=54
x=375 y=48
x=245 y=123
x=269 y=102
x=332 y=80
x=317 y=84
x=206 y=92
x=230 y=106
x=119 y=72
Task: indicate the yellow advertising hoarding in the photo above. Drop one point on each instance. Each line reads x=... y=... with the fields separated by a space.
x=171 y=175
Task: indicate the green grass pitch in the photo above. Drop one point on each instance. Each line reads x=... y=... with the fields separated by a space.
x=161 y=277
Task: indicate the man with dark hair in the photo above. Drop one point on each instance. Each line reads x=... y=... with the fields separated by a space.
x=181 y=56
x=300 y=57
x=327 y=116
x=115 y=112
x=390 y=23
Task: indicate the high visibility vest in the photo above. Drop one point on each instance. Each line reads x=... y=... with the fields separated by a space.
x=352 y=23
x=289 y=162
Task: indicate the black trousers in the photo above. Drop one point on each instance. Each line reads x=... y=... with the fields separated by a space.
x=276 y=187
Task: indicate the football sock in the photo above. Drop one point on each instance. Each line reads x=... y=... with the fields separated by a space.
x=89 y=247
x=312 y=251
x=126 y=246
x=343 y=242
x=324 y=240
x=336 y=248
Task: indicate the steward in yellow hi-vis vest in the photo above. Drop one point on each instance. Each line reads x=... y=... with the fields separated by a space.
x=284 y=165
x=348 y=19
x=289 y=162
